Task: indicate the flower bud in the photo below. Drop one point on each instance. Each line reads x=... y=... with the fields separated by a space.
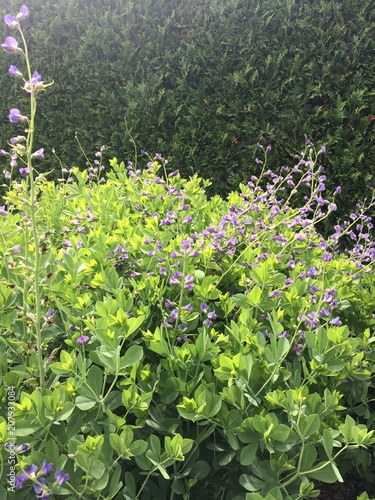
x=14 y=71
x=23 y=13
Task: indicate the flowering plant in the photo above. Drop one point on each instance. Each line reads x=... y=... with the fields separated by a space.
x=161 y=343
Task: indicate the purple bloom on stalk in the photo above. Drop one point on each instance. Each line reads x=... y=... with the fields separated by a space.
x=15 y=116
x=3 y=212
x=336 y=321
x=19 y=479
x=50 y=313
x=14 y=71
x=204 y=307
x=82 y=340
x=40 y=489
x=327 y=257
x=39 y=154
x=24 y=171
x=10 y=45
x=36 y=83
x=31 y=469
x=312 y=272
x=298 y=348
x=61 y=477
x=322 y=150
x=189 y=282
x=11 y=21
x=23 y=13
x=46 y=467
x=337 y=191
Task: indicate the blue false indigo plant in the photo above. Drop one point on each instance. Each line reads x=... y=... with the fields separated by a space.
x=22 y=156
x=157 y=343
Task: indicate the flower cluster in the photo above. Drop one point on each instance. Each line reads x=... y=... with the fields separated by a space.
x=20 y=146
x=41 y=487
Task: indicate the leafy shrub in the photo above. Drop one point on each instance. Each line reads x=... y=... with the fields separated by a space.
x=203 y=81
x=159 y=343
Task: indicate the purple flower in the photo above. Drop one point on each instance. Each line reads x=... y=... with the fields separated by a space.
x=10 y=45
x=31 y=469
x=204 y=307
x=323 y=149
x=11 y=21
x=39 y=154
x=19 y=479
x=174 y=279
x=336 y=321
x=189 y=282
x=14 y=71
x=36 y=83
x=82 y=340
x=24 y=172
x=298 y=348
x=15 y=116
x=312 y=272
x=50 y=313
x=3 y=212
x=40 y=489
x=23 y=13
x=327 y=257
x=61 y=477
x=46 y=467
x=337 y=191
x=173 y=316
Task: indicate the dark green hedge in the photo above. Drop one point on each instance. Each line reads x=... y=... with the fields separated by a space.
x=202 y=81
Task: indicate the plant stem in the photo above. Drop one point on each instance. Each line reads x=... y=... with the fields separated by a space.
x=33 y=210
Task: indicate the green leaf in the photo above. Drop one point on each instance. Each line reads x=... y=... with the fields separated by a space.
x=131 y=357
x=328 y=474
x=97 y=469
x=248 y=454
x=328 y=442
x=84 y=403
x=254 y=298
x=309 y=425
x=200 y=470
x=250 y=482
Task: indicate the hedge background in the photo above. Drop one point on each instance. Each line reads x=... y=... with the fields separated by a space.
x=202 y=81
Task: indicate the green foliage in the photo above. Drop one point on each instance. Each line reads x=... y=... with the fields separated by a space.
x=193 y=348
x=203 y=81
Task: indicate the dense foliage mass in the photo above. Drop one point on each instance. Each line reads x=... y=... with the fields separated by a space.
x=191 y=348
x=203 y=80
x=157 y=342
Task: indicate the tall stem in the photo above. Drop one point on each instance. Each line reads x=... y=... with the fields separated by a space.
x=33 y=210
